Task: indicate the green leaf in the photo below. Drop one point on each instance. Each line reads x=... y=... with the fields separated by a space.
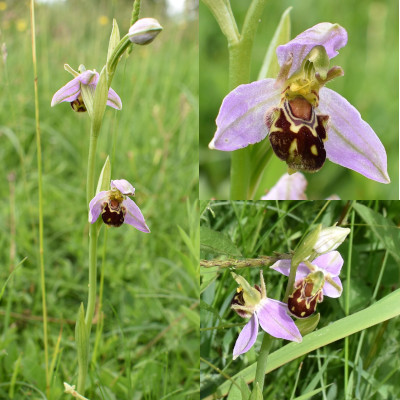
x=105 y=177
x=308 y=395
x=385 y=230
x=307 y=325
x=81 y=339
x=305 y=248
x=240 y=391
x=382 y=310
x=217 y=243
x=212 y=310
x=100 y=101
x=191 y=315
x=203 y=206
x=208 y=275
x=9 y=277
x=270 y=66
x=114 y=39
x=256 y=393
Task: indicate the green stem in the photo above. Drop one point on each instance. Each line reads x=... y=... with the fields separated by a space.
x=99 y=326
x=239 y=72
x=92 y=276
x=261 y=159
x=91 y=167
x=347 y=304
x=40 y=195
x=290 y=284
x=262 y=361
x=83 y=367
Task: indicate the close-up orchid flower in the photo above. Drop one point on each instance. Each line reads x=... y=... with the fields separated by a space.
x=304 y=121
x=320 y=277
x=291 y=187
x=272 y=315
x=116 y=208
x=72 y=91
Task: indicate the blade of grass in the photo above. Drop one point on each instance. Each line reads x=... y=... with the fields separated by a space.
x=39 y=165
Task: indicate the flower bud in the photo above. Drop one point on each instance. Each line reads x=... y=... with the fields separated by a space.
x=305 y=248
x=330 y=239
x=144 y=31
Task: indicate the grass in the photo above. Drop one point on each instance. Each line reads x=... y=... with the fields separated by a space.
x=370 y=83
x=149 y=346
x=360 y=366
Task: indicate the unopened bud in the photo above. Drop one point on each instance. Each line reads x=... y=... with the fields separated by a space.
x=330 y=239
x=144 y=31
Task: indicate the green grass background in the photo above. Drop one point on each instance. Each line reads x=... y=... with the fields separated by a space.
x=262 y=228
x=150 y=281
x=370 y=83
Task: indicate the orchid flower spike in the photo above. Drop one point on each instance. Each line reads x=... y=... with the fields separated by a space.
x=116 y=208
x=71 y=92
x=314 y=280
x=304 y=121
x=271 y=314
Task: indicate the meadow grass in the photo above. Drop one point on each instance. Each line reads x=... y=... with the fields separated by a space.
x=363 y=365
x=370 y=83
x=149 y=319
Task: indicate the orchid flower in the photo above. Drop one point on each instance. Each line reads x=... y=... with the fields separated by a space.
x=116 y=208
x=313 y=280
x=271 y=314
x=304 y=121
x=289 y=187
x=71 y=92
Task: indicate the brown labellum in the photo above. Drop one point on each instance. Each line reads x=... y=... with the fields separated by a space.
x=78 y=105
x=113 y=214
x=297 y=134
x=302 y=303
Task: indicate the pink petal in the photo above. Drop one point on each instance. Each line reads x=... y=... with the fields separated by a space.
x=273 y=318
x=330 y=290
x=123 y=186
x=247 y=337
x=331 y=262
x=114 y=100
x=283 y=266
x=134 y=216
x=240 y=121
x=68 y=92
x=88 y=77
x=331 y=36
x=289 y=187
x=96 y=205
x=351 y=141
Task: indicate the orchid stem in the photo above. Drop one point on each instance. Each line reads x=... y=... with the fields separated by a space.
x=239 y=72
x=290 y=284
x=262 y=361
x=83 y=368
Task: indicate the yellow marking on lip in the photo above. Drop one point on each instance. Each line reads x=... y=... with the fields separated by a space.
x=314 y=150
x=293 y=146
